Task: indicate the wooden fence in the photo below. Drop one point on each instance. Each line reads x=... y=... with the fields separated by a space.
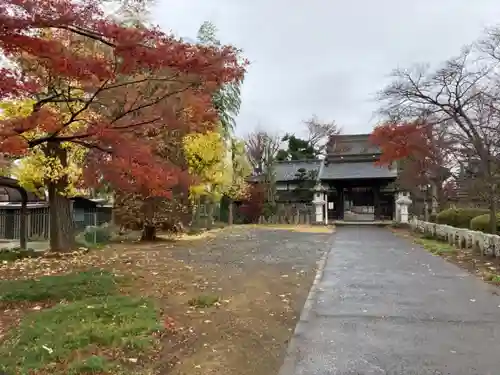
x=290 y=213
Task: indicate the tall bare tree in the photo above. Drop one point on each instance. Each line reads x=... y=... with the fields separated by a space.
x=319 y=132
x=462 y=95
x=262 y=148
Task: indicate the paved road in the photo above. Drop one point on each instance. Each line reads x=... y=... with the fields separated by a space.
x=386 y=306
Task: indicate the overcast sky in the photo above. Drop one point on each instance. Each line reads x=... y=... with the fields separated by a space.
x=327 y=57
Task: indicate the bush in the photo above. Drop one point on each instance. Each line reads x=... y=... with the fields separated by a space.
x=482 y=223
x=97 y=235
x=459 y=217
x=253 y=207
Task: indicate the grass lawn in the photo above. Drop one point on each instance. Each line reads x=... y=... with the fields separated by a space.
x=84 y=327
x=225 y=304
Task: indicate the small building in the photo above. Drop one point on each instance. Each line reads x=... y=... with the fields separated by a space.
x=352 y=185
x=86 y=212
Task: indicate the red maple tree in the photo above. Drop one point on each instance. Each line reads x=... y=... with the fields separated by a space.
x=253 y=206
x=419 y=148
x=123 y=87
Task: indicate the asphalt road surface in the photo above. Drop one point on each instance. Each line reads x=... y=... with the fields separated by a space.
x=386 y=306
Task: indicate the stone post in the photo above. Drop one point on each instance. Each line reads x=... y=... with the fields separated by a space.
x=319 y=203
x=326 y=209
x=403 y=203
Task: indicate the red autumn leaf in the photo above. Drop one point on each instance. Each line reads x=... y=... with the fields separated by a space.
x=137 y=83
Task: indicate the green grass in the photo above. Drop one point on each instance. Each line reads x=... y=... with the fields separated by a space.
x=92 y=365
x=436 y=247
x=70 y=287
x=45 y=339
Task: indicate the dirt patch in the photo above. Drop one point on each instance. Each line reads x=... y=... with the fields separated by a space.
x=485 y=267
x=230 y=300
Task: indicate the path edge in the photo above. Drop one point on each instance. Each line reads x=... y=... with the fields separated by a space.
x=288 y=366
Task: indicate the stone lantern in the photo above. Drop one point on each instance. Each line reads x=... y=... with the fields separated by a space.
x=319 y=201
x=403 y=203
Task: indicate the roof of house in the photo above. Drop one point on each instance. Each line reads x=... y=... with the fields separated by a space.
x=10 y=191
x=286 y=170
x=350 y=156
x=356 y=170
x=351 y=144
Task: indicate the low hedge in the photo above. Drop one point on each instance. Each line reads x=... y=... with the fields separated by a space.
x=459 y=217
x=482 y=223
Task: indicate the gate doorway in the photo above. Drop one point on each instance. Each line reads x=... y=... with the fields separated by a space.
x=359 y=204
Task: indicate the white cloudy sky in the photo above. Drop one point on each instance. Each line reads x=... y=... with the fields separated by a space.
x=327 y=57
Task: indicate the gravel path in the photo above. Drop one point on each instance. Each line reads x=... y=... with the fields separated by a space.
x=265 y=276
x=250 y=246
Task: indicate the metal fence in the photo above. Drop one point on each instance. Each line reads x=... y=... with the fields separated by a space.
x=38 y=222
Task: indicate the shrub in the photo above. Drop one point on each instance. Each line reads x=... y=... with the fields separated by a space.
x=459 y=217
x=97 y=235
x=482 y=223
x=253 y=207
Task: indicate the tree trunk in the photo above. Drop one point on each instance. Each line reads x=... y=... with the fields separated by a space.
x=148 y=233
x=210 y=216
x=62 y=230
x=230 y=215
x=22 y=225
x=493 y=210
x=434 y=201
x=62 y=227
x=197 y=212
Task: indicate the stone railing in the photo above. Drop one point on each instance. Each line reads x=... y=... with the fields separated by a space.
x=487 y=244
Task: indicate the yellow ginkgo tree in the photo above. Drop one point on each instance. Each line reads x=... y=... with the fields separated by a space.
x=208 y=160
x=38 y=167
x=221 y=167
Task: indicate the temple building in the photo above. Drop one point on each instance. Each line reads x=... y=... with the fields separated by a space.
x=346 y=185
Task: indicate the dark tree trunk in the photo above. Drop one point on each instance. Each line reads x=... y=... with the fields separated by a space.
x=62 y=229
x=22 y=226
x=197 y=212
x=230 y=215
x=210 y=215
x=148 y=233
x=493 y=210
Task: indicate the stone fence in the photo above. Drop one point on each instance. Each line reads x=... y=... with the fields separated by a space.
x=487 y=244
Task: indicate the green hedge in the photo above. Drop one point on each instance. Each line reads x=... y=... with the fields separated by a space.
x=459 y=217
x=482 y=223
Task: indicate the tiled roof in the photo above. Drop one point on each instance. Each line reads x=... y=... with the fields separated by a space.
x=351 y=144
x=359 y=170
x=286 y=171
